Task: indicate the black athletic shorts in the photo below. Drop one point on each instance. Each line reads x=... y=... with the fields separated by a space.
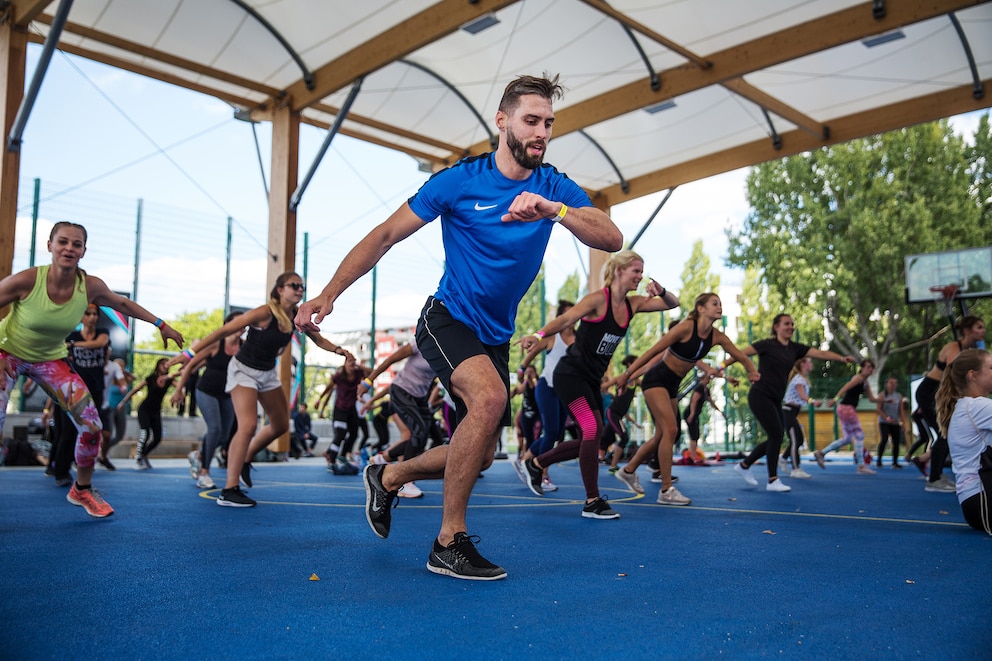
x=662 y=376
x=445 y=343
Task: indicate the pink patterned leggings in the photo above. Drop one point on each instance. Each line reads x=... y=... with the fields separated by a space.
x=68 y=391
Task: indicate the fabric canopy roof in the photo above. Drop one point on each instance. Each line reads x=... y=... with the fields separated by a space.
x=659 y=92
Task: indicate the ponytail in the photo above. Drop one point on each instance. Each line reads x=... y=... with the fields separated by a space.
x=954 y=383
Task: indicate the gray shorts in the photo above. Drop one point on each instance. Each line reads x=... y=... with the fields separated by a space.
x=239 y=374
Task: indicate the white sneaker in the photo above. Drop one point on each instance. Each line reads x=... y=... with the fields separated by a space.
x=378 y=459
x=631 y=480
x=801 y=474
x=410 y=490
x=865 y=469
x=194 y=464
x=777 y=485
x=518 y=468
x=745 y=474
x=204 y=482
x=672 y=497
x=548 y=485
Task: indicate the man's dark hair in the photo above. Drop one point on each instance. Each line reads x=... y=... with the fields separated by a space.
x=545 y=87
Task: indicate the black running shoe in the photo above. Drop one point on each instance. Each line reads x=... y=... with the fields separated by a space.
x=378 y=501
x=599 y=509
x=535 y=476
x=234 y=498
x=246 y=474
x=459 y=559
x=106 y=463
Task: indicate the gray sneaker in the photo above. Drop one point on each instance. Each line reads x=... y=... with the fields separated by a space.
x=194 y=464
x=672 y=497
x=518 y=468
x=630 y=479
x=942 y=484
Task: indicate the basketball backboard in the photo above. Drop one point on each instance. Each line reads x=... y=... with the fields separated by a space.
x=970 y=269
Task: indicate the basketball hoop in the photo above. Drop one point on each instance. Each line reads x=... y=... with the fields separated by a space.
x=945 y=294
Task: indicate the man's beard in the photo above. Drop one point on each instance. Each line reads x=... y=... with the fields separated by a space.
x=520 y=154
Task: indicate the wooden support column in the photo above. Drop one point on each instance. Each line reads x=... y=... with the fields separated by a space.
x=13 y=58
x=598 y=258
x=282 y=225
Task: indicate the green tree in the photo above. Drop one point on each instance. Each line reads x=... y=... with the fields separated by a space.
x=696 y=277
x=828 y=231
x=192 y=325
x=979 y=157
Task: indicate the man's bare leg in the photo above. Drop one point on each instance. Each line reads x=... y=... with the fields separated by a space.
x=470 y=450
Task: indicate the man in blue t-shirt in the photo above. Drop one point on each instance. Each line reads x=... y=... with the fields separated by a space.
x=497 y=211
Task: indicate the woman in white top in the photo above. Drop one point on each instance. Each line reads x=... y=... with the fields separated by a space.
x=964 y=412
x=552 y=412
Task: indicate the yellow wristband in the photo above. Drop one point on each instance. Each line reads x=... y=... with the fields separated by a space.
x=561 y=214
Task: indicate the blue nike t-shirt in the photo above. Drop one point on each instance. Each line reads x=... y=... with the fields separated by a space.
x=489 y=264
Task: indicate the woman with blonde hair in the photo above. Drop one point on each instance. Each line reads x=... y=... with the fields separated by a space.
x=964 y=413
x=681 y=349
x=603 y=317
x=252 y=378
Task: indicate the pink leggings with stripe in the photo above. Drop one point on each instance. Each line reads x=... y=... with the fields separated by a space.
x=68 y=391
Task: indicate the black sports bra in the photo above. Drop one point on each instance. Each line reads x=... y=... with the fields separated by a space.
x=694 y=348
x=941 y=365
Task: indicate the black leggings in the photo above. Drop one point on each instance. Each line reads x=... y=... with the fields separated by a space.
x=926 y=397
x=150 y=421
x=794 y=430
x=768 y=413
x=886 y=431
x=976 y=512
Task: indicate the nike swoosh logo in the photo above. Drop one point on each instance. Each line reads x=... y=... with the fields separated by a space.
x=478 y=208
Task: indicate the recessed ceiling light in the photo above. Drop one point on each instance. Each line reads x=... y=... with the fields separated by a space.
x=480 y=24
x=880 y=39
x=658 y=107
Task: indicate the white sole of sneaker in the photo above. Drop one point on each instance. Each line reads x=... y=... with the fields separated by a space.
x=602 y=517
x=228 y=503
x=79 y=504
x=443 y=571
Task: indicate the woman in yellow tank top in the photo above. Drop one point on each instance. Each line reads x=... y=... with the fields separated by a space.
x=46 y=303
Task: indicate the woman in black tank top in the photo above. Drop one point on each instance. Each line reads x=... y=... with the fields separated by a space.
x=214 y=402
x=270 y=329
x=684 y=347
x=604 y=316
x=972 y=331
